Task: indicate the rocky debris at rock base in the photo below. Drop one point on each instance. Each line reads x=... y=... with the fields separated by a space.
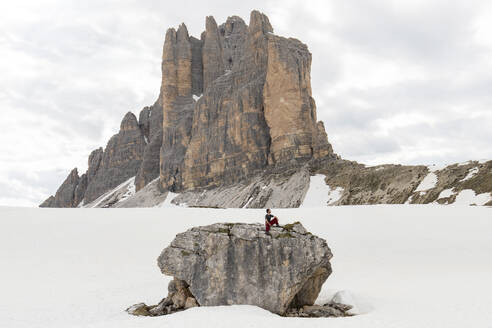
x=149 y=196
x=179 y=298
x=319 y=311
x=269 y=190
x=344 y=297
x=140 y=309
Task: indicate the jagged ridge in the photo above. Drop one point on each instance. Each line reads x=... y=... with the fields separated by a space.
x=235 y=126
x=255 y=111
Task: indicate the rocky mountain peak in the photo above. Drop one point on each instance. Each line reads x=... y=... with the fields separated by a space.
x=259 y=22
x=233 y=25
x=235 y=125
x=129 y=122
x=182 y=33
x=235 y=129
x=210 y=25
x=255 y=113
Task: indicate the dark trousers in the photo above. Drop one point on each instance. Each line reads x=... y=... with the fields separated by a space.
x=272 y=222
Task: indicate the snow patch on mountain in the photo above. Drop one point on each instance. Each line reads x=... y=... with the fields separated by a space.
x=446 y=193
x=471 y=173
x=116 y=195
x=427 y=183
x=320 y=194
x=469 y=197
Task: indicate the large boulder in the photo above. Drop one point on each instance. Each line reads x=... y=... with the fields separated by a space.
x=237 y=263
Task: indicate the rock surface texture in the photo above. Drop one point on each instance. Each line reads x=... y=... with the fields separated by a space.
x=226 y=264
x=121 y=159
x=65 y=195
x=235 y=111
x=244 y=122
x=237 y=263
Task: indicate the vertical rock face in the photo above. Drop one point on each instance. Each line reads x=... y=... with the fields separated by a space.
x=232 y=104
x=121 y=159
x=290 y=110
x=144 y=121
x=243 y=123
x=95 y=159
x=80 y=190
x=233 y=34
x=213 y=65
x=177 y=104
x=149 y=170
x=196 y=66
x=150 y=121
x=229 y=137
x=65 y=195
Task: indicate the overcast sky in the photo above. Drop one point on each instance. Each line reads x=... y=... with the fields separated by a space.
x=394 y=81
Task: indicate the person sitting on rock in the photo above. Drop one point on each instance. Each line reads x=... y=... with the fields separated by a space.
x=270 y=220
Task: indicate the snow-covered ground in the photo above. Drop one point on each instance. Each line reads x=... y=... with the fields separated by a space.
x=404 y=265
x=320 y=194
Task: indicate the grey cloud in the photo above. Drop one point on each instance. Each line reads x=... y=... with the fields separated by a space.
x=432 y=31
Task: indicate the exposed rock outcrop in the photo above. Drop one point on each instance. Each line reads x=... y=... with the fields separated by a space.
x=385 y=184
x=226 y=264
x=95 y=159
x=241 y=124
x=80 y=190
x=213 y=65
x=148 y=196
x=398 y=184
x=150 y=122
x=349 y=183
x=179 y=298
x=133 y=152
x=49 y=202
x=65 y=195
x=229 y=138
x=289 y=108
x=178 y=104
x=268 y=190
x=236 y=263
x=121 y=159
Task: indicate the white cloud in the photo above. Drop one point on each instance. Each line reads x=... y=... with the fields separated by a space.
x=394 y=81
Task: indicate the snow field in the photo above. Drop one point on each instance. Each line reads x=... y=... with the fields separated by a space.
x=403 y=265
